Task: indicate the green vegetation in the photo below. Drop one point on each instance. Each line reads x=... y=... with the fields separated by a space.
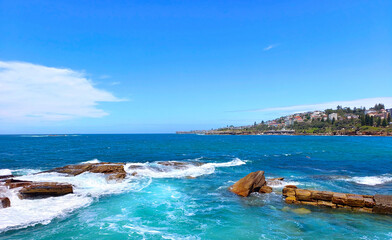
x=339 y=121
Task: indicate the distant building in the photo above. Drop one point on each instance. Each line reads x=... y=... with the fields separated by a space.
x=298 y=119
x=333 y=116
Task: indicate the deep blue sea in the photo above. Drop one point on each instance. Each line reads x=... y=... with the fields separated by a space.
x=170 y=205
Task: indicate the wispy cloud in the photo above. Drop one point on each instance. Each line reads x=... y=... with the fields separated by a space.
x=269 y=47
x=29 y=91
x=366 y=102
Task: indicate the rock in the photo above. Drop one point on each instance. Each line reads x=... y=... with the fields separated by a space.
x=291 y=200
x=303 y=195
x=326 y=204
x=12 y=183
x=286 y=209
x=115 y=169
x=362 y=209
x=290 y=186
x=344 y=207
x=108 y=169
x=5 y=202
x=45 y=189
x=322 y=195
x=179 y=165
x=383 y=204
x=73 y=169
x=117 y=176
x=301 y=211
x=276 y=179
x=369 y=202
x=248 y=184
x=6 y=176
x=355 y=200
x=339 y=198
x=190 y=177
x=288 y=191
x=265 y=189
x=309 y=203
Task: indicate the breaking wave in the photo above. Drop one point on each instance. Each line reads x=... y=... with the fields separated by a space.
x=88 y=187
x=173 y=170
x=371 y=180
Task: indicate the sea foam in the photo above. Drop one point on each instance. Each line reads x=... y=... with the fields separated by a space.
x=371 y=180
x=88 y=187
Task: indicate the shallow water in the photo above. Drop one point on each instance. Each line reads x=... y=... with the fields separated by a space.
x=168 y=205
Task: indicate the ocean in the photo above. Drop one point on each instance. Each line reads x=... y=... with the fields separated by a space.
x=194 y=202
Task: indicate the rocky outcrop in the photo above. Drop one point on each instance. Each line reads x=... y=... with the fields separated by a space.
x=253 y=182
x=383 y=204
x=45 y=189
x=356 y=202
x=115 y=171
x=12 y=183
x=5 y=202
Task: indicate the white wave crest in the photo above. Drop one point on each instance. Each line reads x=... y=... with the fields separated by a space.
x=156 y=170
x=5 y=172
x=95 y=160
x=371 y=180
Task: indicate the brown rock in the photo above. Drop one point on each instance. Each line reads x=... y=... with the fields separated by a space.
x=250 y=183
x=322 y=195
x=383 y=204
x=265 y=189
x=108 y=169
x=369 y=202
x=344 y=206
x=303 y=195
x=290 y=186
x=276 y=179
x=105 y=167
x=309 y=203
x=291 y=200
x=117 y=176
x=12 y=183
x=5 y=202
x=362 y=209
x=339 y=198
x=326 y=204
x=73 y=169
x=355 y=200
x=288 y=191
x=45 y=189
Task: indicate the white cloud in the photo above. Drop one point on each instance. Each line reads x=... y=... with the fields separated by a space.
x=269 y=47
x=29 y=91
x=366 y=102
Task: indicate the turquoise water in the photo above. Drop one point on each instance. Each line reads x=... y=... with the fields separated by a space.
x=168 y=205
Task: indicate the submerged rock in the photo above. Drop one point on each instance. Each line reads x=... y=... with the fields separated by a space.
x=45 y=189
x=301 y=211
x=5 y=202
x=180 y=165
x=252 y=182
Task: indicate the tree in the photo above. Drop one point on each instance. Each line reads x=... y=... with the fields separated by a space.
x=389 y=118
x=378 y=122
x=378 y=107
x=384 y=123
x=371 y=122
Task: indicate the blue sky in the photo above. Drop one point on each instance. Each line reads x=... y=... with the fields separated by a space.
x=162 y=66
